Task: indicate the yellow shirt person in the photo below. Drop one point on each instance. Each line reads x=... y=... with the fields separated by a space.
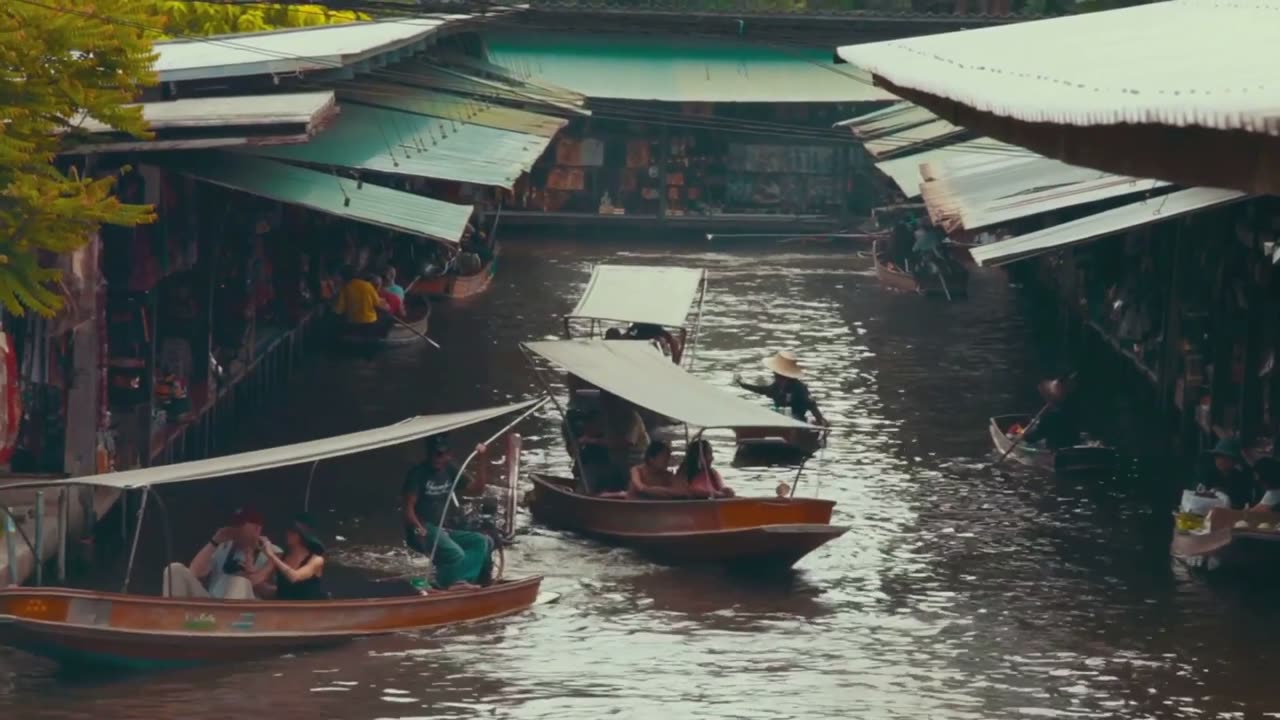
x=358 y=302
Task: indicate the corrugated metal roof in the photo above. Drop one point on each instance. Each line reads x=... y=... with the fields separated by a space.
x=894 y=110
x=460 y=80
x=486 y=70
x=879 y=124
x=184 y=144
x=401 y=143
x=222 y=112
x=1038 y=203
x=907 y=172
x=286 y=52
x=677 y=70
x=903 y=140
x=327 y=193
x=1103 y=224
x=1180 y=63
x=439 y=104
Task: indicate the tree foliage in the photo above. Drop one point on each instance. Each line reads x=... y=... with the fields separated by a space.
x=221 y=18
x=62 y=61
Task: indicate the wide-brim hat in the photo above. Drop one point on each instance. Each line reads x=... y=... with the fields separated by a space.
x=785 y=364
x=1052 y=390
x=1229 y=448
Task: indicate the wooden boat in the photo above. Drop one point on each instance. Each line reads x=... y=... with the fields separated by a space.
x=954 y=283
x=768 y=444
x=1088 y=456
x=1229 y=539
x=454 y=286
x=415 y=325
x=754 y=533
x=134 y=631
x=141 y=633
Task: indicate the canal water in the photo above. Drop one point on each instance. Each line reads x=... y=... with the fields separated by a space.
x=960 y=592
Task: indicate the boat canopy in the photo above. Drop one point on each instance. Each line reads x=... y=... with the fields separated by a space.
x=640 y=374
x=298 y=453
x=640 y=294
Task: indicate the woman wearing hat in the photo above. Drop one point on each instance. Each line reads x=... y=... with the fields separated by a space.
x=787 y=389
x=299 y=570
x=1057 y=425
x=1223 y=471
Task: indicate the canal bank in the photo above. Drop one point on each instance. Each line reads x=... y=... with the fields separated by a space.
x=960 y=592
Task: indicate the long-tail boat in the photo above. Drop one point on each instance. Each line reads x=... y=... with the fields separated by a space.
x=1087 y=456
x=755 y=532
x=132 y=631
x=953 y=282
x=453 y=285
x=642 y=295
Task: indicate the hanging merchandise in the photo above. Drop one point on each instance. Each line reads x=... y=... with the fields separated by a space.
x=10 y=403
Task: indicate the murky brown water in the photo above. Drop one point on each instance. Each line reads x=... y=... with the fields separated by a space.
x=959 y=593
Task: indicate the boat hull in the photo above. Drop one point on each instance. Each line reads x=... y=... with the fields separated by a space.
x=765 y=445
x=753 y=532
x=1081 y=458
x=957 y=284
x=414 y=327
x=1227 y=547
x=457 y=287
x=138 y=632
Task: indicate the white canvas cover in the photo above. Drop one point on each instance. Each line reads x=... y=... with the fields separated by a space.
x=638 y=373
x=640 y=294
x=299 y=453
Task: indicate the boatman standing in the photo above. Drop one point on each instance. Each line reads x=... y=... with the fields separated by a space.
x=787 y=391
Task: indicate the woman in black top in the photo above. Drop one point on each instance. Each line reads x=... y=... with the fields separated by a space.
x=299 y=571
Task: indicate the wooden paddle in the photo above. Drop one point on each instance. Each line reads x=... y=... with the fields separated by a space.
x=1018 y=441
x=413 y=329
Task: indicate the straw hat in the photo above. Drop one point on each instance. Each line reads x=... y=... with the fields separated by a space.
x=1053 y=390
x=785 y=364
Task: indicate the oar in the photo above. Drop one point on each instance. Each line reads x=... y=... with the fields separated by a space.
x=1018 y=440
x=942 y=276
x=413 y=329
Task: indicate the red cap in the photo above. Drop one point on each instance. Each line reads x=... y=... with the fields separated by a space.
x=246 y=515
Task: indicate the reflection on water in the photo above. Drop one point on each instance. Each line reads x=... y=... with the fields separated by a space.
x=961 y=591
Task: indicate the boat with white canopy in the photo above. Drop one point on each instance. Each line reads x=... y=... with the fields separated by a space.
x=643 y=295
x=755 y=532
x=129 y=630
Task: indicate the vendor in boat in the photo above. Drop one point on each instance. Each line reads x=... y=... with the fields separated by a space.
x=462 y=558
x=787 y=390
x=698 y=471
x=231 y=566
x=653 y=478
x=300 y=568
x=1221 y=470
x=1057 y=425
x=358 y=303
x=1267 y=472
x=394 y=303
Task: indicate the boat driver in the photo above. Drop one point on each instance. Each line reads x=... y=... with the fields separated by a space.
x=1057 y=425
x=232 y=563
x=462 y=558
x=787 y=391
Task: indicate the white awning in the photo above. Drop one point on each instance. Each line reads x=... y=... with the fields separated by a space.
x=1103 y=224
x=300 y=453
x=903 y=140
x=640 y=294
x=638 y=373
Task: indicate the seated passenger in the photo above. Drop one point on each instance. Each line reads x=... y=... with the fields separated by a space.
x=232 y=563
x=300 y=568
x=584 y=441
x=389 y=283
x=358 y=303
x=626 y=439
x=697 y=470
x=394 y=303
x=1267 y=471
x=653 y=478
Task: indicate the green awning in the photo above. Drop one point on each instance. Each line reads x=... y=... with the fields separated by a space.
x=470 y=76
x=327 y=193
x=417 y=145
x=677 y=70
x=446 y=105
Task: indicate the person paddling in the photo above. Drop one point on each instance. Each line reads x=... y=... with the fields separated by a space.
x=787 y=390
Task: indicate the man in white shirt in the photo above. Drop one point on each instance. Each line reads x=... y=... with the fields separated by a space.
x=232 y=563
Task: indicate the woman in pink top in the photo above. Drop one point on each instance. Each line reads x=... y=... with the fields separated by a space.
x=703 y=479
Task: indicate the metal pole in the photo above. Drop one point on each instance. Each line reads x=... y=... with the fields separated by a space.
x=64 y=516
x=11 y=545
x=137 y=533
x=39 y=549
x=697 y=329
x=462 y=470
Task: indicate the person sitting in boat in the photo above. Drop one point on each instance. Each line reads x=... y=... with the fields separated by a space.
x=462 y=558
x=394 y=303
x=787 y=390
x=389 y=283
x=653 y=478
x=358 y=304
x=697 y=470
x=1057 y=426
x=232 y=564
x=656 y=333
x=300 y=568
x=1221 y=470
x=1267 y=472
x=626 y=438
x=584 y=440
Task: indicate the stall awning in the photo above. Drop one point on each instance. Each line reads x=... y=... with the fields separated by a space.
x=908 y=171
x=1103 y=224
x=480 y=78
x=327 y=193
x=297 y=51
x=300 y=453
x=447 y=105
x=417 y=145
x=640 y=294
x=893 y=119
x=1031 y=204
x=673 y=69
x=903 y=141
x=638 y=373
x=218 y=122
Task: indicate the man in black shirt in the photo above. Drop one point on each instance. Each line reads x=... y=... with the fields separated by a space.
x=787 y=390
x=461 y=557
